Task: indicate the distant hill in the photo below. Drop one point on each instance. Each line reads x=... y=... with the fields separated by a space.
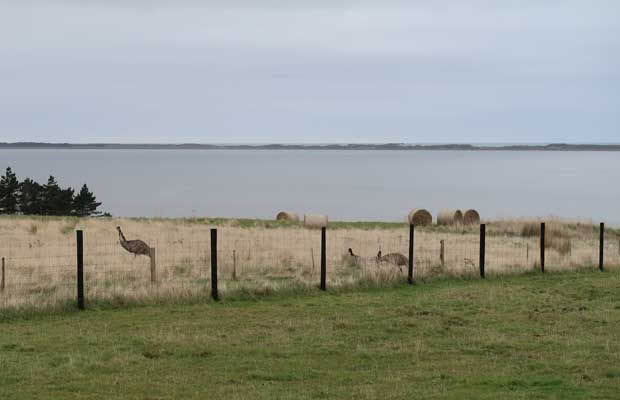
x=275 y=146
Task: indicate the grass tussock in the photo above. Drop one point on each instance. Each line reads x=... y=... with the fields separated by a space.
x=33 y=229
x=530 y=229
x=558 y=236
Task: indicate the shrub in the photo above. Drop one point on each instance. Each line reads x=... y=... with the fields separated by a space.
x=530 y=229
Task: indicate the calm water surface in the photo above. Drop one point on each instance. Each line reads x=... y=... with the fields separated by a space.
x=346 y=185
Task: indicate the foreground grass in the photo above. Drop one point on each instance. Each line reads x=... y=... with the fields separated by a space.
x=533 y=336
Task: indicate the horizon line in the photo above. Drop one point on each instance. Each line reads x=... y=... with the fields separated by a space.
x=570 y=143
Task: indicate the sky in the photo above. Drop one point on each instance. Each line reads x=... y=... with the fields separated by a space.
x=436 y=71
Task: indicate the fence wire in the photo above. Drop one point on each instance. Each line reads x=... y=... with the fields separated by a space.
x=181 y=268
x=612 y=250
x=262 y=260
x=38 y=275
x=450 y=254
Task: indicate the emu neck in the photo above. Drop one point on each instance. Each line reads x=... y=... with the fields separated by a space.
x=121 y=236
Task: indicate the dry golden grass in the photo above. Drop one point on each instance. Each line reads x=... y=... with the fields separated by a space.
x=41 y=257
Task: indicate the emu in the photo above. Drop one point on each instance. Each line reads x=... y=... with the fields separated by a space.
x=356 y=259
x=393 y=258
x=137 y=247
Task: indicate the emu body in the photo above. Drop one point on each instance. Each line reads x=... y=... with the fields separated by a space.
x=396 y=259
x=356 y=259
x=137 y=247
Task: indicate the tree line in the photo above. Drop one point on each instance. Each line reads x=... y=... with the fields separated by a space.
x=31 y=198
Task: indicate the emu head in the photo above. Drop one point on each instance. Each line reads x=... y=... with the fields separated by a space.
x=351 y=252
x=118 y=228
x=379 y=255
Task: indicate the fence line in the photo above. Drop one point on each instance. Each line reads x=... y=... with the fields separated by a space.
x=2 y=282
x=214 y=293
x=263 y=261
x=80 y=269
x=482 y=249
x=323 y=258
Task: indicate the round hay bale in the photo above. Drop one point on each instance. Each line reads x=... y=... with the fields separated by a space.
x=287 y=216
x=315 y=221
x=471 y=217
x=449 y=217
x=420 y=217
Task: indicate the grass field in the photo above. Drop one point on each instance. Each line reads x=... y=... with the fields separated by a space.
x=553 y=336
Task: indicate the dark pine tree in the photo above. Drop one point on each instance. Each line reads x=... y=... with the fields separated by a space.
x=65 y=202
x=51 y=192
x=9 y=192
x=31 y=197
x=85 y=204
x=57 y=201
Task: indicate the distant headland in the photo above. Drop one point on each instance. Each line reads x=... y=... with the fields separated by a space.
x=350 y=146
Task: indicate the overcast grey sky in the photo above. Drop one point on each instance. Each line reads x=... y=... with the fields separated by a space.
x=312 y=71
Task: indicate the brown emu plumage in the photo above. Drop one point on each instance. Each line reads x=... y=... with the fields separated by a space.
x=354 y=257
x=393 y=258
x=137 y=247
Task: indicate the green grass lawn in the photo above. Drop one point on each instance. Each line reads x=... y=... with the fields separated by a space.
x=533 y=336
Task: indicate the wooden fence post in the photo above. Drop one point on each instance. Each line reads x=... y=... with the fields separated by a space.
x=323 y=259
x=442 y=250
x=2 y=282
x=411 y=255
x=527 y=253
x=601 y=246
x=483 y=235
x=153 y=265
x=542 y=247
x=80 y=269
x=214 y=294
x=234 y=273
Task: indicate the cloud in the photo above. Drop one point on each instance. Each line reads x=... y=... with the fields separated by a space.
x=310 y=71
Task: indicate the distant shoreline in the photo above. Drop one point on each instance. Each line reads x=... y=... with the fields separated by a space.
x=386 y=146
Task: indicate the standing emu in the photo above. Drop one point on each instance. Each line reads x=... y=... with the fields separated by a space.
x=137 y=247
x=356 y=259
x=393 y=258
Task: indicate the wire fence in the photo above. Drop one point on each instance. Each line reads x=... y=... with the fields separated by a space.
x=182 y=269
x=43 y=275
